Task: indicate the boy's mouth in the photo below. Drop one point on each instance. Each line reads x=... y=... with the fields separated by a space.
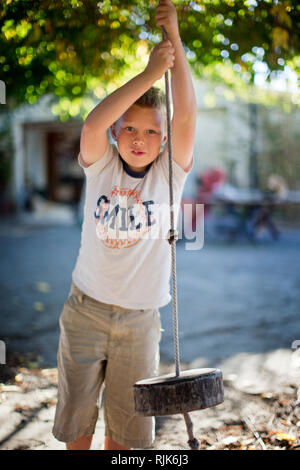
x=137 y=152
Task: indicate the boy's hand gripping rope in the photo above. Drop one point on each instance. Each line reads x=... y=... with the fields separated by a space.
x=172 y=238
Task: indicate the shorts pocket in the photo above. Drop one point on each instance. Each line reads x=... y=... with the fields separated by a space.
x=157 y=320
x=75 y=295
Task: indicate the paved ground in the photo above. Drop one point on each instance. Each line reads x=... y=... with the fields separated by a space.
x=232 y=297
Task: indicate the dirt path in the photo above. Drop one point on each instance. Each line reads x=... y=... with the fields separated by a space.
x=260 y=411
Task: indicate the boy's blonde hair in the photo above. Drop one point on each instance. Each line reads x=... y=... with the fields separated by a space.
x=153 y=98
x=156 y=99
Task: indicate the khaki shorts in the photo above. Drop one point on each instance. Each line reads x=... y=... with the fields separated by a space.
x=101 y=343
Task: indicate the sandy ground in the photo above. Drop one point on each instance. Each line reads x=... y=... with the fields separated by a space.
x=260 y=411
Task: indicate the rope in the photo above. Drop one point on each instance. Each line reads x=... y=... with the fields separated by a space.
x=172 y=237
x=192 y=442
x=172 y=233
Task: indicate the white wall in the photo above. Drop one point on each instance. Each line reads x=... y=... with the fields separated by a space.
x=25 y=114
x=222 y=133
x=35 y=154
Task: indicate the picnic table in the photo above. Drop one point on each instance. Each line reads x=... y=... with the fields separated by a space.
x=251 y=209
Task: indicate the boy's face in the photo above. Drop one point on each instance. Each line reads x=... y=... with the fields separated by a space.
x=140 y=132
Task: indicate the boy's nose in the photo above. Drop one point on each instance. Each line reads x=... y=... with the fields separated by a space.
x=137 y=141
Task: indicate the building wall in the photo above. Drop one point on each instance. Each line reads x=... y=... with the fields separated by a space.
x=223 y=138
x=279 y=145
x=35 y=157
x=30 y=128
x=222 y=134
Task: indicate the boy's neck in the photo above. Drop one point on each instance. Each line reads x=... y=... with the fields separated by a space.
x=135 y=172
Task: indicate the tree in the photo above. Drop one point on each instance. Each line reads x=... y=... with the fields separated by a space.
x=79 y=50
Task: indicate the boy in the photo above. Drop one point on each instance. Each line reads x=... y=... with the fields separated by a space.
x=110 y=324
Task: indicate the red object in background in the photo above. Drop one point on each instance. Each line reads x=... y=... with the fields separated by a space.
x=193 y=202
x=210 y=180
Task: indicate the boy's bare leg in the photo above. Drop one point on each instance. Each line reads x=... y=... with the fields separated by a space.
x=110 y=444
x=82 y=443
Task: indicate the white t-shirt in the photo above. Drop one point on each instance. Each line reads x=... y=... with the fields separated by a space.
x=124 y=257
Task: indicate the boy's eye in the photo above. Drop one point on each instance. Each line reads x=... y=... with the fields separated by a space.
x=130 y=129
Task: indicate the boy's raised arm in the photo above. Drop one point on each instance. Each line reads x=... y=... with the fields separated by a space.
x=183 y=94
x=93 y=142
x=94 y=139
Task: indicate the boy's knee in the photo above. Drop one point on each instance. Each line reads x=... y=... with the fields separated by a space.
x=110 y=444
x=82 y=443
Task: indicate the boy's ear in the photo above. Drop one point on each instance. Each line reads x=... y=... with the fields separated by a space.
x=113 y=131
x=163 y=141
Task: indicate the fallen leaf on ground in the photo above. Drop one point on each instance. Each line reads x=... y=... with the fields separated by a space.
x=10 y=388
x=43 y=287
x=282 y=436
x=39 y=306
x=19 y=408
x=19 y=378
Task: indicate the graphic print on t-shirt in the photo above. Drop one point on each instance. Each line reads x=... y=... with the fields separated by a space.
x=123 y=219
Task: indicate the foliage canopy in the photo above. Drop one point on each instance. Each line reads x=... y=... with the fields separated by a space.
x=82 y=50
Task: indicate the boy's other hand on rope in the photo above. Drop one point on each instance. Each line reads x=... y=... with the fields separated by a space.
x=162 y=57
x=166 y=16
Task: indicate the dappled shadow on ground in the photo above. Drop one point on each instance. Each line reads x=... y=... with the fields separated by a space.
x=268 y=419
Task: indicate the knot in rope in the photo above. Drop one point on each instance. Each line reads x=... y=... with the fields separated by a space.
x=172 y=236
